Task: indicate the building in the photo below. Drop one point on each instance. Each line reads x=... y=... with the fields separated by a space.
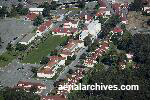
x=71 y=48
x=102 y=3
x=50 y=69
x=129 y=57
x=28 y=38
x=104 y=12
x=90 y=61
x=28 y=85
x=86 y=17
x=117 y=30
x=44 y=27
x=72 y=80
x=64 y=31
x=31 y=16
x=68 y=29
x=53 y=98
x=92 y=29
x=71 y=24
x=36 y=10
x=124 y=20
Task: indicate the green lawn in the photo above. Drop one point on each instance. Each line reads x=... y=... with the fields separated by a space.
x=44 y=49
x=7 y=57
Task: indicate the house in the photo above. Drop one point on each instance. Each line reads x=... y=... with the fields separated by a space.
x=124 y=20
x=72 y=80
x=86 y=17
x=59 y=59
x=44 y=27
x=93 y=29
x=71 y=24
x=117 y=30
x=51 y=68
x=104 y=12
x=71 y=47
x=28 y=85
x=129 y=57
x=47 y=71
x=90 y=61
x=36 y=10
x=68 y=29
x=122 y=65
x=117 y=8
x=64 y=31
x=146 y=6
x=102 y=3
x=31 y=16
x=55 y=97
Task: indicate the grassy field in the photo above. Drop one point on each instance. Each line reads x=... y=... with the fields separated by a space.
x=44 y=49
x=7 y=57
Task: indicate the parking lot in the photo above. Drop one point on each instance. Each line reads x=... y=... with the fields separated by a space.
x=12 y=29
x=22 y=72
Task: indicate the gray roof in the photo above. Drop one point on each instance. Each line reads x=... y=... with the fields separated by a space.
x=28 y=37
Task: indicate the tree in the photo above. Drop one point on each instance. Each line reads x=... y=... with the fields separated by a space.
x=34 y=70
x=67 y=62
x=136 y=5
x=87 y=41
x=9 y=47
x=53 y=5
x=13 y=11
x=44 y=60
x=38 y=21
x=18 y=94
x=54 y=53
x=83 y=56
x=70 y=71
x=21 y=47
x=33 y=89
x=81 y=3
x=19 y=0
x=3 y=11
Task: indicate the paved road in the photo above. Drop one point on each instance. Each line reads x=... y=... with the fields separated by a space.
x=73 y=64
x=109 y=6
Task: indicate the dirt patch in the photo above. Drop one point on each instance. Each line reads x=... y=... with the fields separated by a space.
x=136 y=19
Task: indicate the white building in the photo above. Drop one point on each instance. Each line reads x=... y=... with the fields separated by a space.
x=28 y=38
x=92 y=29
x=36 y=10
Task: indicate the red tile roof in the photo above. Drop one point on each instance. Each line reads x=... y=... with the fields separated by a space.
x=98 y=52
x=101 y=12
x=28 y=85
x=53 y=98
x=116 y=6
x=31 y=16
x=65 y=30
x=56 y=58
x=117 y=30
x=123 y=18
x=102 y=3
x=44 y=26
x=75 y=77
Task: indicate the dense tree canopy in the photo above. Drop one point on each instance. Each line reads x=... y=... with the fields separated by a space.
x=38 y=21
x=17 y=94
x=129 y=76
